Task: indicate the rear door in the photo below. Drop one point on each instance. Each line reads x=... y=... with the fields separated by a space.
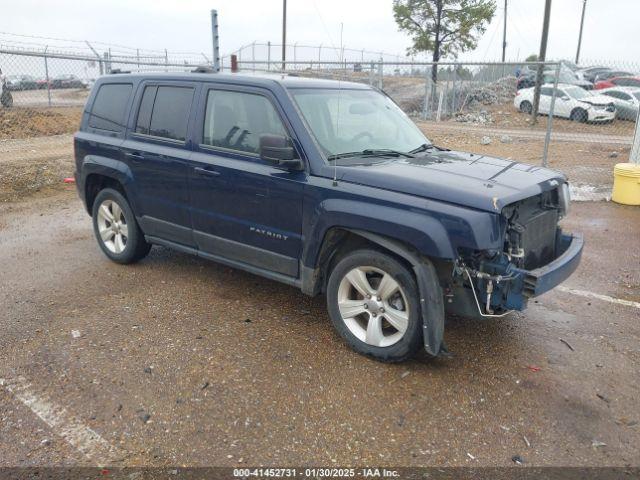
x=244 y=208
x=157 y=150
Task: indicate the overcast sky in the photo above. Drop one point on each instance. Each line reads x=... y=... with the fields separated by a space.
x=610 y=25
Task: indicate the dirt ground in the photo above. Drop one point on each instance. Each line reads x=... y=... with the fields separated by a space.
x=38 y=122
x=183 y=362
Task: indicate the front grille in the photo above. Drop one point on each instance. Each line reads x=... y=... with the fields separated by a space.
x=538 y=239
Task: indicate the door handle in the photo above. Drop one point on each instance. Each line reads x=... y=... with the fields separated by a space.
x=135 y=156
x=204 y=171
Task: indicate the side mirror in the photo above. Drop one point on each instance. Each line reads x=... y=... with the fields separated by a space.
x=277 y=149
x=566 y=98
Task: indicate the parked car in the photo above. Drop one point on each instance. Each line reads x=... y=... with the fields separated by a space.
x=602 y=76
x=21 y=82
x=67 y=81
x=626 y=100
x=42 y=83
x=619 y=82
x=571 y=102
x=549 y=76
x=265 y=174
x=589 y=73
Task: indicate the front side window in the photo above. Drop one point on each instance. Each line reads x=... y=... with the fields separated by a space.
x=236 y=120
x=164 y=112
x=353 y=120
x=577 y=93
x=110 y=106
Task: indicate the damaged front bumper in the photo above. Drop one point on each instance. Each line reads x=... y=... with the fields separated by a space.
x=499 y=286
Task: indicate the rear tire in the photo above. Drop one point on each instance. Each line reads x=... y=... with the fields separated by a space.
x=116 y=229
x=526 y=107
x=373 y=303
x=579 y=115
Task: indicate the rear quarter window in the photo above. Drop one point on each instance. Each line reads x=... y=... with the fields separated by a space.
x=110 y=106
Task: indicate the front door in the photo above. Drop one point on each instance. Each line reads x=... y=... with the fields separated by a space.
x=243 y=208
x=157 y=152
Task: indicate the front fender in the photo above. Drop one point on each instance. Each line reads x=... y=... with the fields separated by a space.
x=424 y=233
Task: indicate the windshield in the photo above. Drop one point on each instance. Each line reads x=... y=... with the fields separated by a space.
x=344 y=121
x=637 y=95
x=577 y=93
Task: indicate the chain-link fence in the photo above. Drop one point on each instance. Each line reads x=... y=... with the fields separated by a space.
x=586 y=127
x=586 y=123
x=43 y=94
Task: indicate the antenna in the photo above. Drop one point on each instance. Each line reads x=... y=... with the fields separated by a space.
x=335 y=165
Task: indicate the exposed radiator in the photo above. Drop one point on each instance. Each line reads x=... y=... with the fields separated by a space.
x=539 y=239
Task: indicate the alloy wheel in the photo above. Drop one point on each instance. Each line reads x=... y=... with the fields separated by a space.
x=112 y=226
x=373 y=306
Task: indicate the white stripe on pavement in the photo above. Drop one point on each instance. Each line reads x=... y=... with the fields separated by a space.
x=78 y=435
x=598 y=296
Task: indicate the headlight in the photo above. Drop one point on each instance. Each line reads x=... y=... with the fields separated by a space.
x=564 y=199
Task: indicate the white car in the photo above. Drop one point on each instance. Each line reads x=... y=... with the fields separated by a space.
x=626 y=100
x=572 y=102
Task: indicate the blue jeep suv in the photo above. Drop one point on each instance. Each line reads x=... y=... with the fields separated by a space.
x=327 y=186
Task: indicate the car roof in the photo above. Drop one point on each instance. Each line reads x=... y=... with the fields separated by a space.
x=249 y=79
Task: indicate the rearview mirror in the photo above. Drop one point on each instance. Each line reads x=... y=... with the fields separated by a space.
x=361 y=108
x=277 y=149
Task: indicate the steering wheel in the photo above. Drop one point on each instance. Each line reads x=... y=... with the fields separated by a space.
x=361 y=135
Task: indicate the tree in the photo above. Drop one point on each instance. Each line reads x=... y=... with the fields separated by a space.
x=443 y=27
x=532 y=58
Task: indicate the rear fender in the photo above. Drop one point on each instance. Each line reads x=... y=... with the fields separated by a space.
x=107 y=167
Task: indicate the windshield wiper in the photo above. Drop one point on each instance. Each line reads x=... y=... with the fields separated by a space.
x=371 y=152
x=423 y=148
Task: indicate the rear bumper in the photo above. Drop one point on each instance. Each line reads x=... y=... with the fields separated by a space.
x=541 y=280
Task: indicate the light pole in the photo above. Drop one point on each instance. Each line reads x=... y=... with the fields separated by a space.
x=584 y=7
x=284 y=34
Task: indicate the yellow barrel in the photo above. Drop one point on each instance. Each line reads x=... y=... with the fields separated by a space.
x=626 y=184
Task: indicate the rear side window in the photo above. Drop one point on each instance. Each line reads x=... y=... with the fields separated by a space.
x=236 y=120
x=110 y=106
x=164 y=112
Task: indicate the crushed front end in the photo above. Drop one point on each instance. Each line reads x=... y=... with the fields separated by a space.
x=535 y=257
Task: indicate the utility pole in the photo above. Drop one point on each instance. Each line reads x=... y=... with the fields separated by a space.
x=584 y=7
x=215 y=37
x=284 y=34
x=541 y=58
x=504 y=32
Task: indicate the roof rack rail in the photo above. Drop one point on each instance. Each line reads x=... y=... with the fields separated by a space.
x=118 y=70
x=203 y=69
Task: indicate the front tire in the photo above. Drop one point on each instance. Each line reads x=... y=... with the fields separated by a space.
x=579 y=115
x=116 y=229
x=526 y=107
x=373 y=303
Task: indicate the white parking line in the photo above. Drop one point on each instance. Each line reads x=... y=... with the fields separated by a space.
x=78 y=435
x=598 y=296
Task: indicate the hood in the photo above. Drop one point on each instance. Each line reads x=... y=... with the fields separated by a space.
x=471 y=180
x=597 y=100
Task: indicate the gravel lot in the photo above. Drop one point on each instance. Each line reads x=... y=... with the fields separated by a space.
x=179 y=361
